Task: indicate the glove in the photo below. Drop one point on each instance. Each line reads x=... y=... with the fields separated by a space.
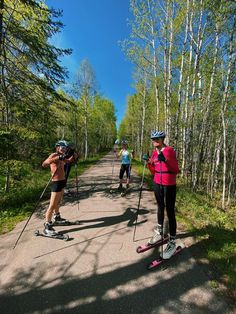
x=161 y=157
x=70 y=152
x=64 y=156
x=145 y=157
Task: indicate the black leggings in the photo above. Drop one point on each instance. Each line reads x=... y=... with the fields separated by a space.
x=125 y=168
x=165 y=197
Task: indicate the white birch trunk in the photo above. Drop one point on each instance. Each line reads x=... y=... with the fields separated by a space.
x=186 y=104
x=207 y=107
x=154 y=67
x=223 y=110
x=180 y=91
x=143 y=115
x=166 y=63
x=169 y=77
x=194 y=87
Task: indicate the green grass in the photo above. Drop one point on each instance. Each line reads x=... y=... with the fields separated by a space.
x=18 y=204
x=213 y=229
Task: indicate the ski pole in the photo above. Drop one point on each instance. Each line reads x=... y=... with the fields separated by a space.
x=140 y=194
x=77 y=184
x=112 y=172
x=33 y=210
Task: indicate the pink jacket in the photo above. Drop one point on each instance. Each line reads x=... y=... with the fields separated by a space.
x=165 y=172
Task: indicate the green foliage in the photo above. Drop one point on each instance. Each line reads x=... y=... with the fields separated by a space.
x=21 y=200
x=33 y=114
x=184 y=60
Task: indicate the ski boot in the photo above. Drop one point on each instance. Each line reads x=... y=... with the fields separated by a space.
x=67 y=193
x=120 y=188
x=49 y=230
x=58 y=220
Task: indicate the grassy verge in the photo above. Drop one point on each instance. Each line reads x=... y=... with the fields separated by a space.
x=23 y=196
x=212 y=228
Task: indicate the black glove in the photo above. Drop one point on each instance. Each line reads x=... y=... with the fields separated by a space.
x=70 y=152
x=64 y=156
x=145 y=157
x=161 y=157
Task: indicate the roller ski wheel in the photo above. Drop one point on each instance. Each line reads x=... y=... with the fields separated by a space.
x=58 y=236
x=159 y=261
x=145 y=247
x=66 y=223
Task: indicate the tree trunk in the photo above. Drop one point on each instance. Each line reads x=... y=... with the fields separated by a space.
x=193 y=97
x=185 y=132
x=143 y=115
x=223 y=110
x=154 y=67
x=207 y=107
x=177 y=129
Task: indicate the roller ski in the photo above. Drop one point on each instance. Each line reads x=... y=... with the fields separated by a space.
x=59 y=221
x=66 y=223
x=117 y=190
x=159 y=261
x=49 y=232
x=145 y=247
x=57 y=235
x=125 y=191
x=159 y=237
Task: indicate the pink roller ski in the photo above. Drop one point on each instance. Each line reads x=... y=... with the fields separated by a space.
x=157 y=262
x=145 y=247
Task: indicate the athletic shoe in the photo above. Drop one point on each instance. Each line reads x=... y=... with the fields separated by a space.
x=48 y=229
x=169 y=250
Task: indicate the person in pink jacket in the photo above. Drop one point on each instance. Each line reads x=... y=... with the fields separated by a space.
x=164 y=166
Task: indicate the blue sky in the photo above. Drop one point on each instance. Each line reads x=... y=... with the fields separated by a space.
x=93 y=29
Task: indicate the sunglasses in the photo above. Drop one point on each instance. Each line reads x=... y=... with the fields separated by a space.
x=63 y=148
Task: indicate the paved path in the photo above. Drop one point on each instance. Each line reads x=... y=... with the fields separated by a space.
x=99 y=271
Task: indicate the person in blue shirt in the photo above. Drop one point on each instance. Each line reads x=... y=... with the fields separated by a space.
x=126 y=158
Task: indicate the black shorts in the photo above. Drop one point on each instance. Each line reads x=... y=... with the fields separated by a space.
x=57 y=186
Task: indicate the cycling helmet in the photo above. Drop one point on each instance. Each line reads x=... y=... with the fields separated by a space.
x=157 y=134
x=124 y=142
x=62 y=143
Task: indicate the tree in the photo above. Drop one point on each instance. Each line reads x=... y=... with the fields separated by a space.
x=85 y=88
x=30 y=72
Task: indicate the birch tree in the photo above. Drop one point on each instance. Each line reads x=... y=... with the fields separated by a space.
x=85 y=89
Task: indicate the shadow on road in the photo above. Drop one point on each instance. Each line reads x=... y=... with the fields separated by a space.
x=110 y=292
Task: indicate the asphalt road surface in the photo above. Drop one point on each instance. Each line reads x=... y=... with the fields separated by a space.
x=98 y=270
